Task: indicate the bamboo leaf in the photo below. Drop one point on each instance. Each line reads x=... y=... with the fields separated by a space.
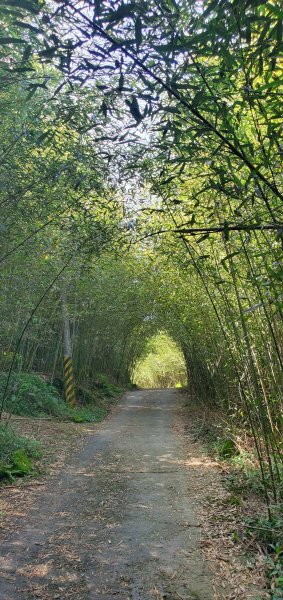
x=226 y=230
x=275 y=10
x=11 y=40
x=124 y=11
x=138 y=31
x=28 y=26
x=202 y=238
x=27 y=53
x=279 y=31
x=29 y=5
x=229 y=257
x=121 y=82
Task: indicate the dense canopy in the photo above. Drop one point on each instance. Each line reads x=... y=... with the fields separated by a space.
x=141 y=180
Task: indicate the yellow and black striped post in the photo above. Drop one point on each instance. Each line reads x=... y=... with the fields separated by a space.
x=69 y=381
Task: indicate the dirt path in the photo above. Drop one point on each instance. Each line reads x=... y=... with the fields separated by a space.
x=116 y=523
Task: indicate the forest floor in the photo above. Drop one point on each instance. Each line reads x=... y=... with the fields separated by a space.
x=130 y=509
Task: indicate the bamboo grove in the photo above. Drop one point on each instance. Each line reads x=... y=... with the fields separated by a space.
x=141 y=171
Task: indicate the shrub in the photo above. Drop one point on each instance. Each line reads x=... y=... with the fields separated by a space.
x=32 y=396
x=29 y=394
x=225 y=448
x=268 y=531
x=16 y=453
x=107 y=388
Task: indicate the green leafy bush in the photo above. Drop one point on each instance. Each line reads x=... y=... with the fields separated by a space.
x=107 y=388
x=29 y=394
x=21 y=462
x=16 y=453
x=225 y=448
x=268 y=531
x=245 y=478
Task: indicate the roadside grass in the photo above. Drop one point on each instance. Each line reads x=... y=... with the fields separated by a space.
x=87 y=415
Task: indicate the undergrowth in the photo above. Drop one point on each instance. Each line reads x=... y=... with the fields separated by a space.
x=234 y=449
x=17 y=453
x=87 y=415
x=264 y=529
x=32 y=395
x=268 y=532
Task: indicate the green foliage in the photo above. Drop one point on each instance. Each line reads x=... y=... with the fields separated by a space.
x=161 y=365
x=31 y=395
x=156 y=131
x=107 y=389
x=94 y=404
x=268 y=531
x=16 y=453
x=225 y=448
x=87 y=415
x=246 y=477
x=21 y=461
